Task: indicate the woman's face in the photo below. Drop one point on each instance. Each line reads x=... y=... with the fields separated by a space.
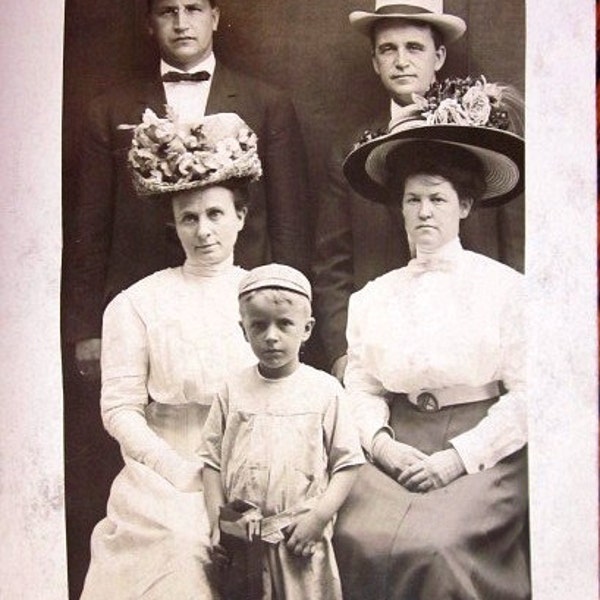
x=207 y=223
x=432 y=211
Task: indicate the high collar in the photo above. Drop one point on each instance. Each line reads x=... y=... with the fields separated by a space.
x=449 y=251
x=197 y=269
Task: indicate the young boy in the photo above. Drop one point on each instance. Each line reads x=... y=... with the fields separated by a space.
x=280 y=437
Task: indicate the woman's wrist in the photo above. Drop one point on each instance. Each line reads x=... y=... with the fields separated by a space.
x=380 y=438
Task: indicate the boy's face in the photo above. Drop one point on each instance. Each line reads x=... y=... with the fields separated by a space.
x=276 y=323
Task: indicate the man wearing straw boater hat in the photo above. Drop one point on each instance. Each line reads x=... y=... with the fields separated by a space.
x=355 y=240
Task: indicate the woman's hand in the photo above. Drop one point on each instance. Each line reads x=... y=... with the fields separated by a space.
x=183 y=474
x=304 y=532
x=392 y=456
x=433 y=472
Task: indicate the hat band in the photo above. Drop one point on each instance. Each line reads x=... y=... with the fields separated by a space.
x=406 y=9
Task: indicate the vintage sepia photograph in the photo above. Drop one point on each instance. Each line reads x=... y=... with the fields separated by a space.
x=306 y=318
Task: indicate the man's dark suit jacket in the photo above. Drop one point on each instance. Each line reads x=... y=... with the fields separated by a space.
x=120 y=238
x=357 y=240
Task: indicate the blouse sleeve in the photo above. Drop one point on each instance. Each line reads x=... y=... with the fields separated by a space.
x=504 y=430
x=124 y=397
x=366 y=393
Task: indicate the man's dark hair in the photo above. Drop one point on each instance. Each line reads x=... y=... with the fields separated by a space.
x=438 y=39
x=213 y=3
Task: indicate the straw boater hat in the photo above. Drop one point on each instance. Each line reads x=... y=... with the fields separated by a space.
x=425 y=11
x=168 y=156
x=463 y=121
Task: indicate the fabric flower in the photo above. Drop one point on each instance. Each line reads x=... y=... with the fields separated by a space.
x=449 y=111
x=167 y=155
x=476 y=104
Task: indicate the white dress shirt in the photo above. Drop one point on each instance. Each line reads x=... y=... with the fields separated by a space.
x=427 y=326
x=189 y=98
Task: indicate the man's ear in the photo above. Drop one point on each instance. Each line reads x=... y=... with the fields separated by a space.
x=216 y=15
x=440 y=58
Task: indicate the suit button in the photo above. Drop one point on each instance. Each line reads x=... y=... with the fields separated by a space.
x=481 y=467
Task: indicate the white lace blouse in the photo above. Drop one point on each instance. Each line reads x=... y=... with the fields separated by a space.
x=453 y=318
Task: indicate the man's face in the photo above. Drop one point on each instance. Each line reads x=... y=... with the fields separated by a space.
x=406 y=59
x=183 y=30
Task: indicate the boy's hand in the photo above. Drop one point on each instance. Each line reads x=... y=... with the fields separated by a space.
x=217 y=553
x=304 y=532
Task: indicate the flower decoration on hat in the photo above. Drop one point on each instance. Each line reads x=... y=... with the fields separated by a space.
x=167 y=155
x=469 y=101
x=482 y=118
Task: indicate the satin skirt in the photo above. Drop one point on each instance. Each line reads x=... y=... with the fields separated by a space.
x=466 y=541
x=154 y=540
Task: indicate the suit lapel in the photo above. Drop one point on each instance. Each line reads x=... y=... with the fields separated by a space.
x=223 y=91
x=394 y=208
x=152 y=95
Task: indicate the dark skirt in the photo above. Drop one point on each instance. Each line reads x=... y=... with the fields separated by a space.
x=467 y=540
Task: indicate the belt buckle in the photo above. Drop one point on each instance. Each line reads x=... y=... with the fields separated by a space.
x=427 y=402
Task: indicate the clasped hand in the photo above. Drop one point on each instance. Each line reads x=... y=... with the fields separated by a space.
x=413 y=469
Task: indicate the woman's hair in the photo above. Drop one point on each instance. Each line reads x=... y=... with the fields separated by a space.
x=239 y=188
x=455 y=164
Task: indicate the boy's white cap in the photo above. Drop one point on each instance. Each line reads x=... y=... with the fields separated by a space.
x=278 y=276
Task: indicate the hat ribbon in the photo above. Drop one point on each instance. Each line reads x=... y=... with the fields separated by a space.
x=406 y=9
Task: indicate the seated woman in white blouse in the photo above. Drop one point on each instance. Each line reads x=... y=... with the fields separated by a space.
x=436 y=376
x=168 y=343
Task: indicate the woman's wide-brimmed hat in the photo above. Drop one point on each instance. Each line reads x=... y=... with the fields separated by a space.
x=168 y=156
x=464 y=121
x=425 y=11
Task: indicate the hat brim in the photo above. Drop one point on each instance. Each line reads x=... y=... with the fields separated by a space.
x=450 y=26
x=501 y=153
x=279 y=284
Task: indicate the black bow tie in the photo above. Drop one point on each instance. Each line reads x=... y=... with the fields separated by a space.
x=176 y=76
